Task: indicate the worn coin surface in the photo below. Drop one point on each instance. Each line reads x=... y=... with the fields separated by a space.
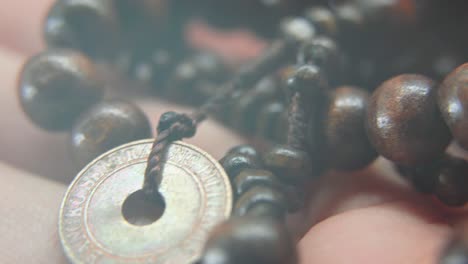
x=195 y=189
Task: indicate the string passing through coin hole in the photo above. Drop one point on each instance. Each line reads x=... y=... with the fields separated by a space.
x=141 y=210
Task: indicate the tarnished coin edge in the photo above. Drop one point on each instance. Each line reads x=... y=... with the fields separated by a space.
x=66 y=248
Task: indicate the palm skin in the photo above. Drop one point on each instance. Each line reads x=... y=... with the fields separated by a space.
x=370 y=216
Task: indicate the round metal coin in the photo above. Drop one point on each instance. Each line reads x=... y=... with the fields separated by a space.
x=195 y=189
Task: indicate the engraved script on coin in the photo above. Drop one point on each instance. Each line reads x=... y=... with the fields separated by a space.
x=197 y=195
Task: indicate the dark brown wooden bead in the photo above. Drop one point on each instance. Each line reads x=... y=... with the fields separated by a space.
x=153 y=68
x=297 y=29
x=323 y=19
x=423 y=178
x=250 y=178
x=233 y=164
x=289 y=164
x=246 y=150
x=57 y=31
x=249 y=240
x=269 y=119
x=404 y=123
x=260 y=194
x=266 y=209
x=56 y=87
x=307 y=86
x=320 y=51
x=456 y=252
x=90 y=26
x=452 y=182
x=105 y=126
x=453 y=103
x=348 y=147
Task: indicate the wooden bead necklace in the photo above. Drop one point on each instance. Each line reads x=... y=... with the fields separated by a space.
x=283 y=96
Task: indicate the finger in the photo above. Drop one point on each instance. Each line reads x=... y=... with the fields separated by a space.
x=22 y=144
x=372 y=217
x=21 y=24
x=29 y=212
x=395 y=232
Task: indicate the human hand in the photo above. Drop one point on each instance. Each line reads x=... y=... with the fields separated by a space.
x=370 y=216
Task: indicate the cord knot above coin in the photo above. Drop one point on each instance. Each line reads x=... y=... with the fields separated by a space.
x=178 y=125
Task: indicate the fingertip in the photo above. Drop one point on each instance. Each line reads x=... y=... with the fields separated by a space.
x=21 y=25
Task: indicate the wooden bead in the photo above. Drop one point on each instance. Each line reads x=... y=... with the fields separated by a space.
x=452 y=183
x=453 y=103
x=310 y=84
x=323 y=19
x=250 y=178
x=56 y=87
x=90 y=26
x=233 y=164
x=404 y=123
x=57 y=32
x=297 y=29
x=105 y=126
x=348 y=147
x=320 y=51
x=246 y=150
x=266 y=209
x=152 y=69
x=260 y=194
x=249 y=240
x=423 y=178
x=289 y=164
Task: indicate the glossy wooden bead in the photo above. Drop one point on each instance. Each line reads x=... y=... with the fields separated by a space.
x=260 y=194
x=289 y=164
x=320 y=51
x=249 y=240
x=90 y=26
x=234 y=163
x=152 y=69
x=310 y=83
x=250 y=178
x=297 y=29
x=404 y=123
x=266 y=209
x=57 y=31
x=323 y=19
x=105 y=126
x=347 y=145
x=452 y=182
x=56 y=87
x=246 y=150
x=453 y=103
x=423 y=178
